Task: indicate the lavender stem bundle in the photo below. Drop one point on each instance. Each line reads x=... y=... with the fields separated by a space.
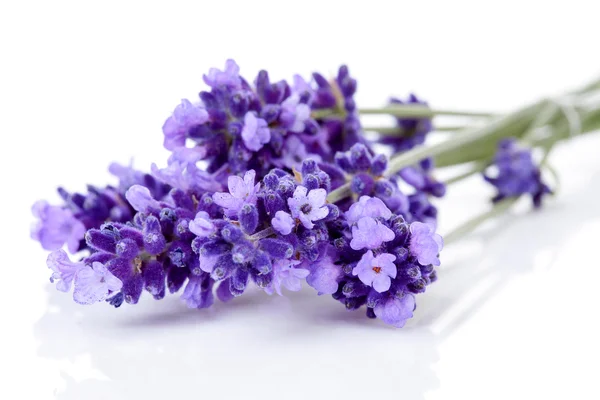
x=276 y=183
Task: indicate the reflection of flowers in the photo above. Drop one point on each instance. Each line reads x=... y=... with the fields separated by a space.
x=138 y=357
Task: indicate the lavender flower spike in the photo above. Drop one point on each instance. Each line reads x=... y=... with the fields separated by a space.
x=241 y=191
x=308 y=208
x=94 y=284
x=425 y=244
x=56 y=226
x=376 y=271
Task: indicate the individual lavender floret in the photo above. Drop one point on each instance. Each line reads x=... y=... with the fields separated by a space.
x=93 y=284
x=255 y=132
x=186 y=116
x=56 y=226
x=285 y=274
x=517 y=173
x=377 y=271
x=63 y=269
x=308 y=206
x=414 y=130
x=425 y=244
x=241 y=191
x=283 y=222
x=369 y=233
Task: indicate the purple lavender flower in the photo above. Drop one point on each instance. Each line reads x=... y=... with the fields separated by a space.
x=396 y=311
x=283 y=222
x=415 y=130
x=255 y=133
x=185 y=117
x=324 y=274
x=63 y=269
x=241 y=191
x=294 y=153
x=56 y=226
x=425 y=244
x=517 y=173
x=230 y=77
x=201 y=225
x=94 y=284
x=367 y=207
x=369 y=233
x=198 y=292
x=376 y=271
x=308 y=206
x=141 y=199
x=294 y=114
x=285 y=273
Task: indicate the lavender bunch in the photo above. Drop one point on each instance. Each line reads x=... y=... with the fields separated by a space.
x=307 y=198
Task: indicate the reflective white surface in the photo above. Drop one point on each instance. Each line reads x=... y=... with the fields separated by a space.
x=513 y=315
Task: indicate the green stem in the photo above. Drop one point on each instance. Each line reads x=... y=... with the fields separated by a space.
x=477 y=168
x=397 y=131
x=263 y=234
x=420 y=112
x=473 y=223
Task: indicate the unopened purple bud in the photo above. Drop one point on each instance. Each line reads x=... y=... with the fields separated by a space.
x=334 y=212
x=401 y=253
x=232 y=233
x=320 y=80
x=242 y=253
x=362 y=184
x=180 y=253
x=311 y=127
x=128 y=232
x=264 y=280
x=154 y=277
x=132 y=288
x=273 y=203
x=248 y=218
x=286 y=188
x=384 y=188
x=262 y=263
x=311 y=182
x=342 y=161
x=127 y=249
x=223 y=267
x=176 y=278
x=223 y=292
x=154 y=241
x=378 y=165
x=239 y=279
x=309 y=167
x=181 y=199
x=360 y=158
x=417 y=286
x=271 y=180
x=117 y=300
x=238 y=104
x=277 y=248
x=270 y=112
x=96 y=239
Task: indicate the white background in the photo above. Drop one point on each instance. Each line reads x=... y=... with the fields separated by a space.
x=514 y=313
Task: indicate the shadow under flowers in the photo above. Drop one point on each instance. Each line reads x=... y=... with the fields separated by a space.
x=300 y=347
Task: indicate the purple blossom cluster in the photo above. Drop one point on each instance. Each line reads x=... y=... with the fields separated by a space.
x=516 y=173
x=244 y=200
